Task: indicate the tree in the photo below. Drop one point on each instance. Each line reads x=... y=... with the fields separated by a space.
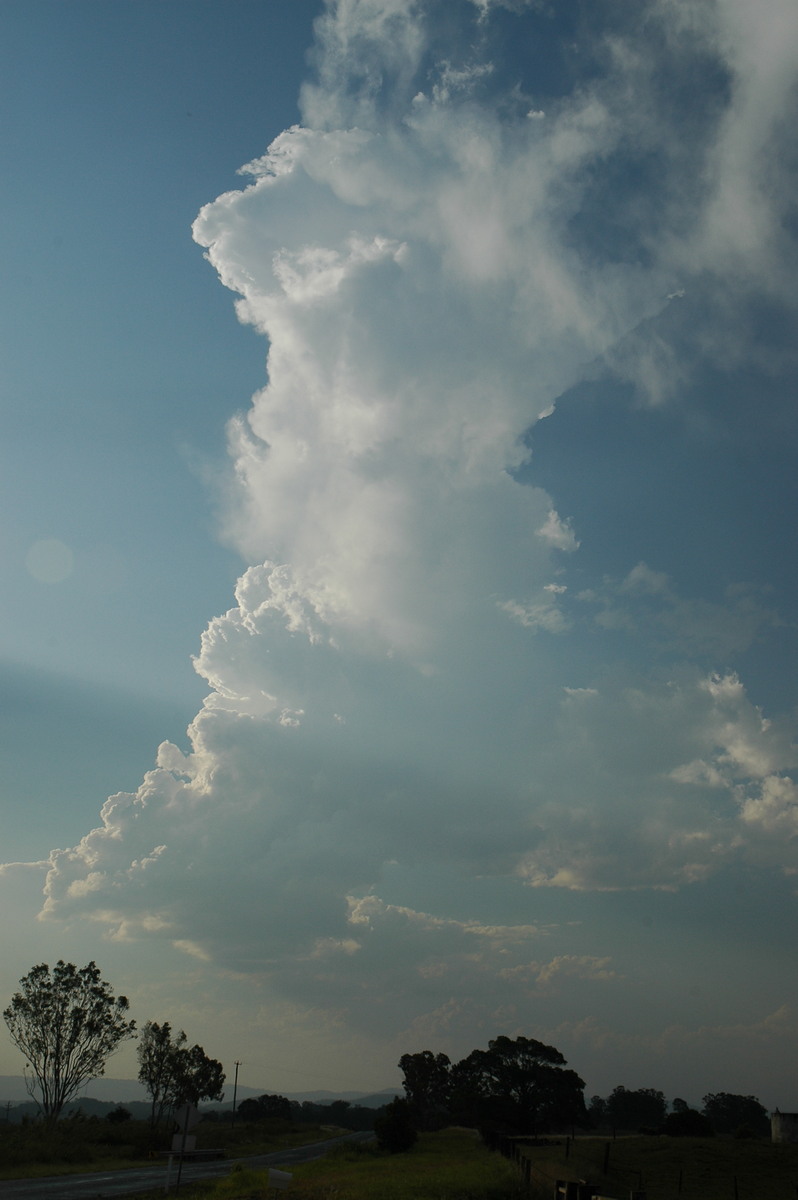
x=67 y=1023
x=518 y=1084
x=687 y=1122
x=173 y=1073
x=265 y=1108
x=394 y=1127
x=427 y=1084
x=641 y=1108
x=118 y=1115
x=734 y=1114
x=157 y=1054
x=197 y=1077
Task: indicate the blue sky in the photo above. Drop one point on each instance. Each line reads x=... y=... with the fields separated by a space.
x=488 y=572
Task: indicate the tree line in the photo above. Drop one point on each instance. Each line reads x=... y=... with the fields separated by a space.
x=67 y=1022
x=522 y=1086
x=307 y=1112
x=518 y=1085
x=646 y=1110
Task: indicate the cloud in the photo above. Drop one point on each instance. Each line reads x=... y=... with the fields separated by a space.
x=647 y=604
x=558 y=533
x=571 y=966
x=432 y=270
x=718 y=1051
x=662 y=787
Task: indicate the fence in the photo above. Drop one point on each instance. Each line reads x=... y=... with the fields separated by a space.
x=564 y=1189
x=568 y=1168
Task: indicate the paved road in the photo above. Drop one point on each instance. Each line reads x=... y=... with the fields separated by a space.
x=101 y=1184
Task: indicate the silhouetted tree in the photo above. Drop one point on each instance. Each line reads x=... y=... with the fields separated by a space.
x=687 y=1122
x=157 y=1054
x=636 y=1109
x=517 y=1084
x=174 y=1073
x=734 y=1114
x=339 y=1112
x=265 y=1108
x=119 y=1115
x=66 y=1022
x=197 y=1077
x=394 y=1127
x=597 y=1111
x=427 y=1084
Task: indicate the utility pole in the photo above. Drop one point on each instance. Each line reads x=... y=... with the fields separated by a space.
x=235 y=1089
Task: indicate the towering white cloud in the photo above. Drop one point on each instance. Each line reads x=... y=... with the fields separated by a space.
x=416 y=671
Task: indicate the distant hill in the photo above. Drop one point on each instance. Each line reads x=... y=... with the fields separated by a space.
x=129 y=1092
x=371 y=1100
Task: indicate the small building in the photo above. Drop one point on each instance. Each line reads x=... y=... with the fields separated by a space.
x=783 y=1127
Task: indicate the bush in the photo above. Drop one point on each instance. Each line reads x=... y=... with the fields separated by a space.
x=394 y=1128
x=688 y=1122
x=117 y=1115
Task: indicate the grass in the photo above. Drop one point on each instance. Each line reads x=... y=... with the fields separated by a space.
x=79 y=1145
x=450 y=1165
x=454 y=1165
x=671 y=1168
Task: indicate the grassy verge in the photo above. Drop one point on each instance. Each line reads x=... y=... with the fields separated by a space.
x=451 y=1165
x=671 y=1168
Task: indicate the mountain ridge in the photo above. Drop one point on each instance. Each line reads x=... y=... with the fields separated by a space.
x=126 y=1091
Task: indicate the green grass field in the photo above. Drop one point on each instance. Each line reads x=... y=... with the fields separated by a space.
x=670 y=1168
x=451 y=1165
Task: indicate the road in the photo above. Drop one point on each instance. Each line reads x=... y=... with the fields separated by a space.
x=100 y=1184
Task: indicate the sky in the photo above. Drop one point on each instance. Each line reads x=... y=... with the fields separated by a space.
x=399 y=529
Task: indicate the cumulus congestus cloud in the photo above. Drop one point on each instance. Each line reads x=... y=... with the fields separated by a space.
x=418 y=672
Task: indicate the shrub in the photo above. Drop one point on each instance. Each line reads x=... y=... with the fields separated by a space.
x=687 y=1122
x=394 y=1127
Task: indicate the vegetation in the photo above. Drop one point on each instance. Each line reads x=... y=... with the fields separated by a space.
x=66 y=1022
x=78 y=1143
x=687 y=1122
x=174 y=1073
x=264 y=1108
x=742 y=1116
x=645 y=1111
x=394 y=1127
x=157 y=1051
x=449 y=1165
x=428 y=1086
x=339 y=1112
x=690 y=1168
x=642 y=1109
x=517 y=1085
